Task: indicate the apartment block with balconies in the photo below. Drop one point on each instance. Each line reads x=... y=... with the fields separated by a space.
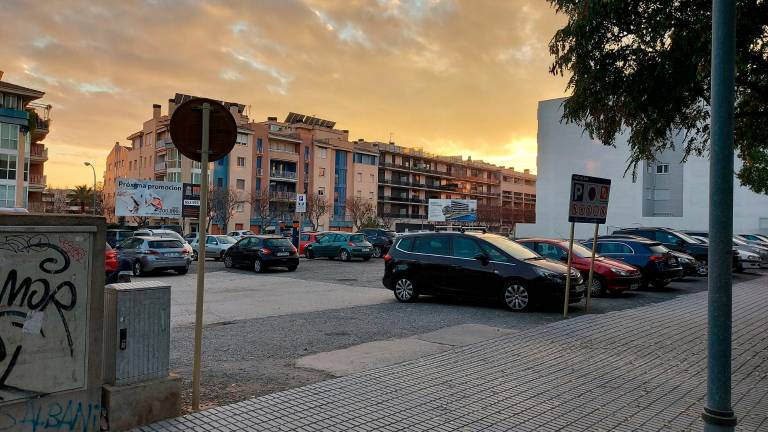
x=23 y=125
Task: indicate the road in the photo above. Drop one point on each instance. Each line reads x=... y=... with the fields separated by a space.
x=259 y=325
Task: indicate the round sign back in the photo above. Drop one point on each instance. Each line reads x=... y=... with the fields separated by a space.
x=187 y=129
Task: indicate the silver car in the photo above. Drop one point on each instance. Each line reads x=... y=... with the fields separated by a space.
x=215 y=246
x=148 y=254
x=755 y=248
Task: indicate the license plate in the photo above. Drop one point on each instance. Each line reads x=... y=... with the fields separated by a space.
x=172 y=254
x=282 y=254
x=366 y=249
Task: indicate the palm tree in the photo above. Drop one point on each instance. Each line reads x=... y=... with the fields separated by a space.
x=82 y=195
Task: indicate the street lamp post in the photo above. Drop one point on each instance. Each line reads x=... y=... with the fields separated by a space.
x=93 y=210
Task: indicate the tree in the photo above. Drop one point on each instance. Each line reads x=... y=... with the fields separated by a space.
x=489 y=214
x=82 y=195
x=645 y=65
x=317 y=207
x=385 y=220
x=359 y=209
x=260 y=206
x=223 y=202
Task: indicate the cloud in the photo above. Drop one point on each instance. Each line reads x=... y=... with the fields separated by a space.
x=43 y=41
x=101 y=86
x=282 y=78
x=348 y=31
x=230 y=75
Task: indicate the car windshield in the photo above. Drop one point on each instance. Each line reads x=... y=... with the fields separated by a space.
x=579 y=250
x=685 y=237
x=277 y=243
x=165 y=244
x=357 y=238
x=226 y=239
x=739 y=241
x=514 y=249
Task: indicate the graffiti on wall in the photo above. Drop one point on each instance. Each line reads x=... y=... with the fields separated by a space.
x=67 y=415
x=44 y=282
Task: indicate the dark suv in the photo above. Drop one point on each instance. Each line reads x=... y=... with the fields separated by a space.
x=475 y=265
x=380 y=238
x=657 y=265
x=674 y=240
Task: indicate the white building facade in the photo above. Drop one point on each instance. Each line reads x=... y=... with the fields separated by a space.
x=664 y=193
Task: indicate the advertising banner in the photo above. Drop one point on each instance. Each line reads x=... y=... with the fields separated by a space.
x=452 y=210
x=190 y=205
x=148 y=198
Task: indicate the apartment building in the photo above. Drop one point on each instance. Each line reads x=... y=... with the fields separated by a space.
x=23 y=125
x=410 y=177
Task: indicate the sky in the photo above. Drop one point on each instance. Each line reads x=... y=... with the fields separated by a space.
x=449 y=76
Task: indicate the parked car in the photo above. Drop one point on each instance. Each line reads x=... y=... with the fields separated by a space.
x=380 y=238
x=116 y=236
x=756 y=239
x=687 y=262
x=165 y=233
x=191 y=237
x=344 y=246
x=170 y=227
x=475 y=264
x=111 y=260
x=609 y=275
x=238 y=234
x=261 y=252
x=215 y=246
x=751 y=255
x=147 y=254
x=656 y=263
x=306 y=238
x=674 y=240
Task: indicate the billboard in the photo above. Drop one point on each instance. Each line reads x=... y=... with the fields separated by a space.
x=148 y=198
x=190 y=205
x=452 y=210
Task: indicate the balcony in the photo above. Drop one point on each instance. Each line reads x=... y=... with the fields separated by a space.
x=283 y=175
x=173 y=164
x=163 y=144
x=282 y=196
x=41 y=128
x=415 y=168
x=398 y=215
x=286 y=136
x=160 y=167
x=38 y=153
x=37 y=182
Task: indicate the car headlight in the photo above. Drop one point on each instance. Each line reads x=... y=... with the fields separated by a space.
x=620 y=272
x=748 y=256
x=557 y=277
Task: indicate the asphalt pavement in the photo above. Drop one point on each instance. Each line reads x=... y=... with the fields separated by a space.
x=243 y=358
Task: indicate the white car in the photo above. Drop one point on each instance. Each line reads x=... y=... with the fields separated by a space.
x=164 y=233
x=238 y=234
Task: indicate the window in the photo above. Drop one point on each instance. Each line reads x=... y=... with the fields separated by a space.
x=7 y=196
x=259 y=145
x=240 y=184
x=306 y=152
x=241 y=161
x=221 y=162
x=257 y=185
x=662 y=169
x=370 y=195
x=464 y=247
x=242 y=139
x=433 y=245
x=405 y=244
x=9 y=136
x=258 y=162
x=666 y=238
x=550 y=251
x=321 y=191
x=220 y=182
x=211 y=240
x=306 y=171
x=613 y=248
x=365 y=159
x=7 y=167
x=323 y=152
x=322 y=172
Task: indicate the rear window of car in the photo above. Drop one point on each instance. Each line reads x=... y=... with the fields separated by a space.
x=405 y=244
x=436 y=245
x=357 y=238
x=277 y=243
x=165 y=244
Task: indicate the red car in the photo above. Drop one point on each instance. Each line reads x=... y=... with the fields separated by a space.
x=111 y=261
x=609 y=275
x=306 y=238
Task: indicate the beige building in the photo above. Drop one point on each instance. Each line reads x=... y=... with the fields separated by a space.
x=23 y=125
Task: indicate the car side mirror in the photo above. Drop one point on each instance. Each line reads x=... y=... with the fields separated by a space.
x=483 y=258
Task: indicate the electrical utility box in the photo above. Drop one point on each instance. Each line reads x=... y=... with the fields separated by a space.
x=137 y=333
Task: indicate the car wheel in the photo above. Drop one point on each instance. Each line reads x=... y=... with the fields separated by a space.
x=516 y=297
x=598 y=287
x=405 y=291
x=292 y=268
x=258 y=267
x=344 y=255
x=194 y=255
x=182 y=270
x=377 y=252
x=138 y=269
x=228 y=262
x=310 y=254
x=701 y=268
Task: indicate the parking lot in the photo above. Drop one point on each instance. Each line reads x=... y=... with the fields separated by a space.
x=259 y=325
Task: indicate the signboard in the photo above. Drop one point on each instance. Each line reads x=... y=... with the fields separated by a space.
x=589 y=199
x=190 y=200
x=452 y=210
x=186 y=126
x=148 y=198
x=301 y=203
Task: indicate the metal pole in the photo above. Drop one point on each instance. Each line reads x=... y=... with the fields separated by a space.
x=718 y=413
x=94 y=189
x=591 y=267
x=568 y=276
x=203 y=230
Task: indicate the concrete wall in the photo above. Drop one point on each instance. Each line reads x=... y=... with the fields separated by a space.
x=566 y=149
x=51 y=309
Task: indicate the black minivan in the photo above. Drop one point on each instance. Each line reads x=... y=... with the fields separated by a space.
x=473 y=264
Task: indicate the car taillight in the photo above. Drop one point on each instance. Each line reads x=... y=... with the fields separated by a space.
x=293 y=249
x=387 y=258
x=185 y=252
x=350 y=244
x=658 y=257
x=266 y=251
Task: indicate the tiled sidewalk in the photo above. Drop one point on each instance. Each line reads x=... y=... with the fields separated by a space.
x=641 y=369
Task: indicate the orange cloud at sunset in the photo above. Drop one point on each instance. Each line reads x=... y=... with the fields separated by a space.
x=454 y=77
